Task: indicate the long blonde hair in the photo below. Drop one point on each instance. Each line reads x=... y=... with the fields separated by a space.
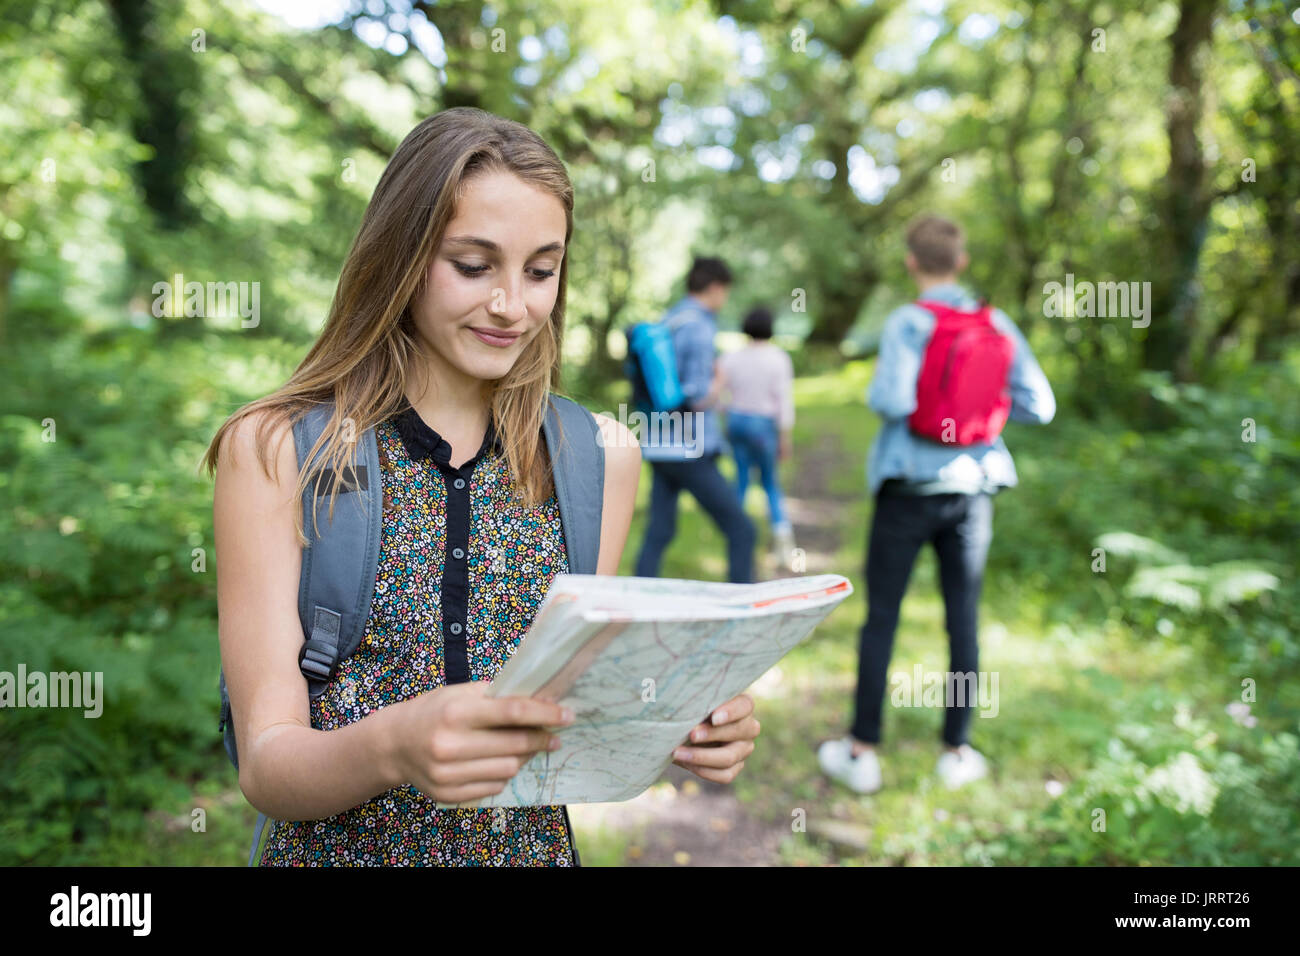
x=369 y=343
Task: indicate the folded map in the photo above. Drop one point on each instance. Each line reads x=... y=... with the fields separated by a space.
x=641 y=661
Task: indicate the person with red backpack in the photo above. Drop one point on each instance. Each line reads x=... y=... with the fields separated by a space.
x=950 y=373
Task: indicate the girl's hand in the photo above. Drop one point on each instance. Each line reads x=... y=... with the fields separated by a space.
x=727 y=738
x=457 y=744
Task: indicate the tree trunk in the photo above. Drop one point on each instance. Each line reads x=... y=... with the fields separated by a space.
x=839 y=307
x=162 y=77
x=1185 y=205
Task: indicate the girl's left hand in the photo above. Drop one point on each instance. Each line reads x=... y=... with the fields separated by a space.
x=716 y=749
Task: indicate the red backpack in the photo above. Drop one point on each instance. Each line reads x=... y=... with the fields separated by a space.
x=961 y=394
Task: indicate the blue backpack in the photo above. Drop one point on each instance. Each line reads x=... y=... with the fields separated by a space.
x=651 y=365
x=337 y=581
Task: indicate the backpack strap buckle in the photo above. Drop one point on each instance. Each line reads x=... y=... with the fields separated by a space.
x=319 y=658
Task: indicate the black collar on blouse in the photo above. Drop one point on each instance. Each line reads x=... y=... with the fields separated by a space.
x=421 y=441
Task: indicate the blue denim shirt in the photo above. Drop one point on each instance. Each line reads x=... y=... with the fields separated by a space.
x=676 y=438
x=897 y=453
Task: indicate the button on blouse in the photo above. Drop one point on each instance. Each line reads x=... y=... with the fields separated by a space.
x=423 y=443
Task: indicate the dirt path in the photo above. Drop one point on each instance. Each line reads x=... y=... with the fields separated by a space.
x=816 y=512
x=685 y=821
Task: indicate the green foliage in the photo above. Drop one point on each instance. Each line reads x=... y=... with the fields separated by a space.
x=1175 y=791
x=1197 y=524
x=1165 y=575
x=102 y=575
x=1216 y=587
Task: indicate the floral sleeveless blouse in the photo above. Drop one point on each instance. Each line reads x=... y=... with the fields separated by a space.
x=462 y=571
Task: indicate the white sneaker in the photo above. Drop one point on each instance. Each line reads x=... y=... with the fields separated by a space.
x=960 y=768
x=860 y=773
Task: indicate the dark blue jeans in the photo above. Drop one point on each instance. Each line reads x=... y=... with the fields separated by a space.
x=755 y=441
x=699 y=476
x=960 y=527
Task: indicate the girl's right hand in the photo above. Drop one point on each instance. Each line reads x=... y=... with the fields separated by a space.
x=457 y=744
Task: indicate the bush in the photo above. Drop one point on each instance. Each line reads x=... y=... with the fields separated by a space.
x=101 y=526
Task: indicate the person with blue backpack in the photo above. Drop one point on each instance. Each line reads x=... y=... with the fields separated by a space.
x=950 y=372
x=677 y=382
x=389 y=521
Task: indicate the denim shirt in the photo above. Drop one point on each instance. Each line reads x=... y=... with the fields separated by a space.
x=897 y=453
x=698 y=434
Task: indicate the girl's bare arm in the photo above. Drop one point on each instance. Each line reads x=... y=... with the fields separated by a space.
x=287 y=770
x=622 y=476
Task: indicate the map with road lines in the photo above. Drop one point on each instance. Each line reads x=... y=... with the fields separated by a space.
x=641 y=661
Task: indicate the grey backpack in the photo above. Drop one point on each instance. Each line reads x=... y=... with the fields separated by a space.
x=338 y=570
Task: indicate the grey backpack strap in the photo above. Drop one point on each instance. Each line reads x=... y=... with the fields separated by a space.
x=577 y=453
x=337 y=580
x=262 y=820
x=338 y=569
x=226 y=726
x=578 y=465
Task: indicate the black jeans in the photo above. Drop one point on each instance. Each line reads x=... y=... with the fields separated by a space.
x=699 y=476
x=960 y=527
